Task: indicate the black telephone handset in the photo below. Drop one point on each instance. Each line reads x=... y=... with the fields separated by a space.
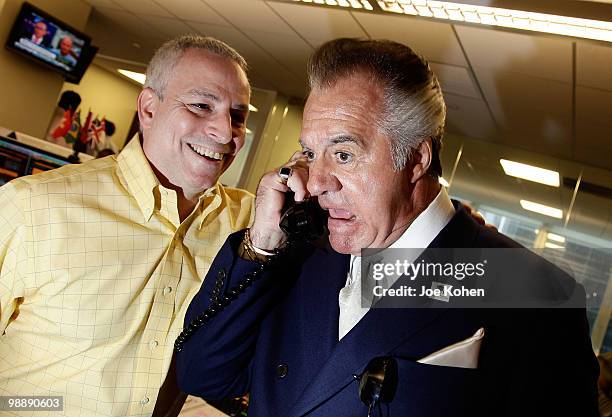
x=303 y=221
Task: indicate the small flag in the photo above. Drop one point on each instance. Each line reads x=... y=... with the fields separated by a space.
x=98 y=128
x=75 y=128
x=86 y=132
x=62 y=129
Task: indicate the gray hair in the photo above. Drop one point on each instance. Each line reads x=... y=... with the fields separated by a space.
x=414 y=107
x=162 y=64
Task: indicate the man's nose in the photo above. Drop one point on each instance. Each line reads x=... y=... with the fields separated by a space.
x=219 y=127
x=321 y=179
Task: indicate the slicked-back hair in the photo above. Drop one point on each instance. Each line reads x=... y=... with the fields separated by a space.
x=162 y=64
x=414 y=107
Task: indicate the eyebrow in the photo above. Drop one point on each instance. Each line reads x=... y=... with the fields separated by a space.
x=346 y=139
x=339 y=139
x=203 y=93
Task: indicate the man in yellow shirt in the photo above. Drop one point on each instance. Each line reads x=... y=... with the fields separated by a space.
x=99 y=261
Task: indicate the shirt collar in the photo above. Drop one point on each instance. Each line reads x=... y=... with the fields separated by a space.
x=139 y=176
x=209 y=201
x=141 y=181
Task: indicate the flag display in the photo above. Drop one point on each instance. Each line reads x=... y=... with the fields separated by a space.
x=75 y=128
x=64 y=126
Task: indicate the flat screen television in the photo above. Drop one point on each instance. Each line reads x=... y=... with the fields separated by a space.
x=51 y=42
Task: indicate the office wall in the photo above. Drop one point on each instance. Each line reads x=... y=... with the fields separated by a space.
x=29 y=91
x=279 y=140
x=107 y=95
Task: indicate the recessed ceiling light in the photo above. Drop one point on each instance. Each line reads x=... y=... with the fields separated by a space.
x=556 y=238
x=139 y=77
x=530 y=172
x=443 y=182
x=252 y=108
x=542 y=209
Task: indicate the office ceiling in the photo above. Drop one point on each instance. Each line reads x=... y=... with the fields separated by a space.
x=547 y=95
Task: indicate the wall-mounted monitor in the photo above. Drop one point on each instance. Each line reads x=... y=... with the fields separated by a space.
x=51 y=42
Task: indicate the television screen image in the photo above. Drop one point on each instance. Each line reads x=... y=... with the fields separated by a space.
x=52 y=42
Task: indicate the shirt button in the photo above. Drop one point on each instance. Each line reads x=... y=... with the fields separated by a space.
x=144 y=401
x=167 y=290
x=153 y=344
x=281 y=370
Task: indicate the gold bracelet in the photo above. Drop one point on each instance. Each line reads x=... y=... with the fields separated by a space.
x=247 y=251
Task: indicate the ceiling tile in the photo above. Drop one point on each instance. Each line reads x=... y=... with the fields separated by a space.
x=436 y=41
x=530 y=54
x=258 y=59
x=455 y=80
x=143 y=7
x=129 y=22
x=593 y=64
x=195 y=10
x=469 y=117
x=594 y=127
x=291 y=51
x=509 y=91
x=317 y=24
x=532 y=113
x=170 y=27
x=251 y=15
x=593 y=105
x=104 y=3
x=105 y=31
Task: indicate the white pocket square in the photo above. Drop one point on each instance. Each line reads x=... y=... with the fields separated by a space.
x=463 y=354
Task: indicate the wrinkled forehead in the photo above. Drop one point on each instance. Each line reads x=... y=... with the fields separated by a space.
x=351 y=104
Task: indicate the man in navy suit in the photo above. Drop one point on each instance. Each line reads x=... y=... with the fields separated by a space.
x=288 y=325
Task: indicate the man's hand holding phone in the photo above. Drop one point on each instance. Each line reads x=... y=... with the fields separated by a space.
x=270 y=199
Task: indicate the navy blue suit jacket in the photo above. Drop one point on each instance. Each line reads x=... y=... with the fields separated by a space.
x=279 y=341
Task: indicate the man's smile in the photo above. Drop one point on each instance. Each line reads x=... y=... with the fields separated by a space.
x=206 y=153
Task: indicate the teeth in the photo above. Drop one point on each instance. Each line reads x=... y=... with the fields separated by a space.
x=205 y=152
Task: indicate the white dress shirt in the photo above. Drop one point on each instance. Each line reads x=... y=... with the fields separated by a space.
x=423 y=230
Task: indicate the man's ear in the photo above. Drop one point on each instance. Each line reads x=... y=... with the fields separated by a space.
x=148 y=102
x=421 y=160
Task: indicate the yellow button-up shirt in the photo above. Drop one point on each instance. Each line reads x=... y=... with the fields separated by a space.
x=96 y=273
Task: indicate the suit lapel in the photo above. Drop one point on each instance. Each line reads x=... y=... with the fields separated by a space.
x=379 y=332
x=322 y=278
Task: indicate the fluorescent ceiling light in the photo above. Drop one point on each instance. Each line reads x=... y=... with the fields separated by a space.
x=553 y=246
x=542 y=209
x=556 y=238
x=530 y=173
x=492 y=16
x=139 y=77
x=252 y=108
x=443 y=182
x=354 y=4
